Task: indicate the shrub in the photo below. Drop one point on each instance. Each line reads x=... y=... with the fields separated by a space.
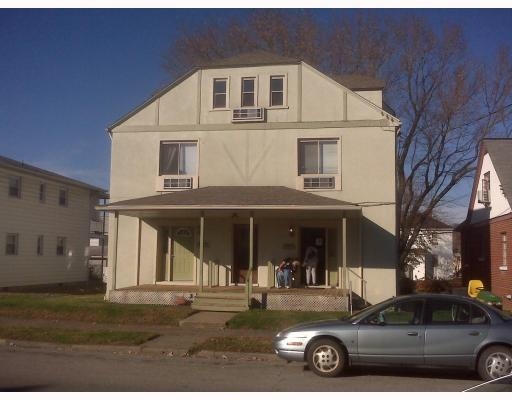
x=433 y=286
x=406 y=285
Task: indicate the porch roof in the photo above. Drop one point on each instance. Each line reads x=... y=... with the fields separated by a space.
x=233 y=198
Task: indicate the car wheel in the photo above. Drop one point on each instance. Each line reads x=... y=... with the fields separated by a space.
x=326 y=358
x=495 y=362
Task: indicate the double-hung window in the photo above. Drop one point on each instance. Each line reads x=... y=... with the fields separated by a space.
x=61 y=246
x=277 y=91
x=63 y=197
x=42 y=192
x=178 y=164
x=486 y=187
x=504 y=251
x=40 y=245
x=15 y=186
x=248 y=92
x=319 y=163
x=220 y=90
x=11 y=244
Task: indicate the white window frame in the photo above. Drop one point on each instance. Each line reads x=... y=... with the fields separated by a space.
x=302 y=178
x=177 y=179
x=60 y=239
x=255 y=91
x=42 y=192
x=66 y=197
x=486 y=187
x=504 y=251
x=227 y=106
x=40 y=245
x=16 y=179
x=285 y=91
x=16 y=244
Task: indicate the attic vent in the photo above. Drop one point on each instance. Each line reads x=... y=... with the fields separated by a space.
x=248 y=114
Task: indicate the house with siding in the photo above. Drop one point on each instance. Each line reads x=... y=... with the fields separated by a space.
x=248 y=160
x=44 y=225
x=487 y=230
x=435 y=255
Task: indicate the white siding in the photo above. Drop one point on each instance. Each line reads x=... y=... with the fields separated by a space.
x=29 y=218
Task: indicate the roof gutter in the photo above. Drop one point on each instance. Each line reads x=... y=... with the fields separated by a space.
x=225 y=207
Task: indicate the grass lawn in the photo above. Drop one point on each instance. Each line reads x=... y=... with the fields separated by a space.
x=278 y=320
x=66 y=336
x=87 y=308
x=236 y=344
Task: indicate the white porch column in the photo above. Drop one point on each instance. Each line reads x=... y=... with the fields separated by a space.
x=251 y=253
x=201 y=251
x=344 y=245
x=342 y=252
x=137 y=278
x=114 y=261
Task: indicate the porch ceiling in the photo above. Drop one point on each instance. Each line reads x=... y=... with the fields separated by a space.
x=268 y=201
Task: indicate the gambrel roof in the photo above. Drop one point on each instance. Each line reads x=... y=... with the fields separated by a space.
x=354 y=82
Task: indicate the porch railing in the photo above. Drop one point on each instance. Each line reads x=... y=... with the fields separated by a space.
x=215 y=271
x=362 y=282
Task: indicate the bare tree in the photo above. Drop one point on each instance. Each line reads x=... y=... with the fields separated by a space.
x=446 y=100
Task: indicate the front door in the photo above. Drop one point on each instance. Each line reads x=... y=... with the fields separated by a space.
x=393 y=334
x=241 y=254
x=182 y=264
x=313 y=237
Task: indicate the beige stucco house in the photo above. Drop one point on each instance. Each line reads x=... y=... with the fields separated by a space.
x=256 y=155
x=44 y=225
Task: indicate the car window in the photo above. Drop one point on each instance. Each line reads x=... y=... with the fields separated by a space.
x=401 y=313
x=454 y=312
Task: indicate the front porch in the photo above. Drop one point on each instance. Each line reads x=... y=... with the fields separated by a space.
x=299 y=299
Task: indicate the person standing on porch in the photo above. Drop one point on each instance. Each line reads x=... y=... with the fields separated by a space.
x=311 y=262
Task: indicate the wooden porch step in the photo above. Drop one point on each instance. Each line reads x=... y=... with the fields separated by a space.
x=215 y=307
x=210 y=301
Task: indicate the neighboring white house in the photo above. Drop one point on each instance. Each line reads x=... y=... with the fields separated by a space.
x=44 y=225
x=256 y=154
x=436 y=258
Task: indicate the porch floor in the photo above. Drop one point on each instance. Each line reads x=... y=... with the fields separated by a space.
x=317 y=291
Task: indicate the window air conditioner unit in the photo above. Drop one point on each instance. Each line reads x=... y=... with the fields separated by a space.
x=177 y=183
x=483 y=196
x=248 y=114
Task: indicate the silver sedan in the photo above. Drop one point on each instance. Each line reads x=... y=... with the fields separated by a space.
x=432 y=330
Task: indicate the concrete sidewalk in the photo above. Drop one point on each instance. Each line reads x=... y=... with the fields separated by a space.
x=173 y=340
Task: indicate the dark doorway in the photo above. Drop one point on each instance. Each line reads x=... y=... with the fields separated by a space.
x=313 y=237
x=241 y=254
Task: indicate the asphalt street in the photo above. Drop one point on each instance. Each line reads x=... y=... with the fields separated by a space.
x=41 y=370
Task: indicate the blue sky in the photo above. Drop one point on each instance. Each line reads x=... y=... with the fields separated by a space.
x=65 y=75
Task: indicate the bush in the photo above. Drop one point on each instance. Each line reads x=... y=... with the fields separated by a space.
x=406 y=286
x=433 y=286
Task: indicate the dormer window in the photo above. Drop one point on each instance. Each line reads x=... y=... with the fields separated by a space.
x=248 y=92
x=220 y=93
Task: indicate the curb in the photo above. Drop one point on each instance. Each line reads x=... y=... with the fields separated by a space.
x=208 y=354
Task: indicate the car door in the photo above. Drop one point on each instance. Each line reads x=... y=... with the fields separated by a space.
x=454 y=330
x=393 y=334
